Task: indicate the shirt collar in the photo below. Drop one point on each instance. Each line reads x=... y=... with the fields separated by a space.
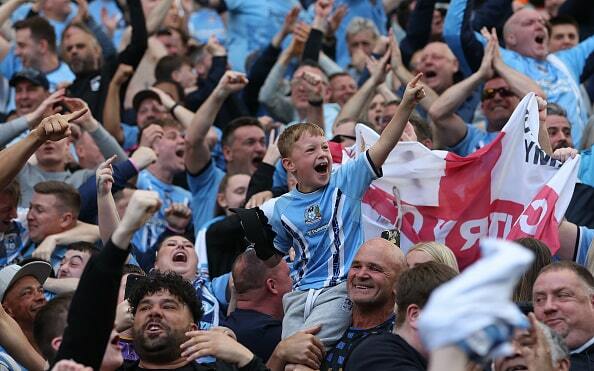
x=585 y=346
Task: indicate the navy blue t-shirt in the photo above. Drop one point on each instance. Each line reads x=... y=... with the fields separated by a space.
x=258 y=332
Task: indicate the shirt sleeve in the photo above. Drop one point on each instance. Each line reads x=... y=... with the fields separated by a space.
x=204 y=187
x=575 y=58
x=355 y=176
x=584 y=242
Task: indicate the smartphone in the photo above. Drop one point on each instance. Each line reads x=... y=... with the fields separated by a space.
x=131 y=283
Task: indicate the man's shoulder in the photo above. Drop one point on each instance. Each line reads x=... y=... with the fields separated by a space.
x=387 y=350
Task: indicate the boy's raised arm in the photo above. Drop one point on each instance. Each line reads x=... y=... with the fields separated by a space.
x=391 y=135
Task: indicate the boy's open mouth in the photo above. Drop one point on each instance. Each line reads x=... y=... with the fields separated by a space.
x=321 y=168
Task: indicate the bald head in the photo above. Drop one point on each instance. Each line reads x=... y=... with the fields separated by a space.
x=438 y=65
x=525 y=32
x=392 y=255
x=374 y=273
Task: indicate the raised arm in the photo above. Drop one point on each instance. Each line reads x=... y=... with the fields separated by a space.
x=6 y=10
x=93 y=306
x=353 y=107
x=111 y=110
x=405 y=76
x=81 y=232
x=450 y=129
x=197 y=153
x=13 y=158
x=461 y=38
x=106 y=143
x=519 y=83
x=107 y=213
x=177 y=110
x=391 y=135
x=132 y=54
x=157 y=16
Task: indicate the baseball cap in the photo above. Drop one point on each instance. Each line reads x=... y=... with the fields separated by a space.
x=32 y=75
x=12 y=273
x=142 y=95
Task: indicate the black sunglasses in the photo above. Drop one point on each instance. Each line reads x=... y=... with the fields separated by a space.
x=342 y=138
x=490 y=93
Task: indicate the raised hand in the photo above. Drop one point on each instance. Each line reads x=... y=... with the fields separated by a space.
x=55 y=127
x=143 y=157
x=165 y=98
x=378 y=68
x=46 y=108
x=110 y=23
x=230 y=83
x=150 y=135
x=104 y=177
x=290 y=20
x=215 y=48
x=122 y=74
x=142 y=206
x=336 y=18
x=414 y=91
x=300 y=35
x=486 y=68
x=85 y=121
x=83 y=11
x=323 y=8
x=395 y=54
x=178 y=216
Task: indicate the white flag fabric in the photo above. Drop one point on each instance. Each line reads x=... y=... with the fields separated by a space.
x=508 y=189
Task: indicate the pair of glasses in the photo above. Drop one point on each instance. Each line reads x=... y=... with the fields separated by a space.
x=342 y=138
x=490 y=93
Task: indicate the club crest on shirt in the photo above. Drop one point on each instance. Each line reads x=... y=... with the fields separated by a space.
x=313 y=214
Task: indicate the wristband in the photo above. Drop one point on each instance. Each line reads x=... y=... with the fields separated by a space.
x=172 y=109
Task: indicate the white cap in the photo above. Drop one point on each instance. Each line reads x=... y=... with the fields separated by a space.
x=12 y=273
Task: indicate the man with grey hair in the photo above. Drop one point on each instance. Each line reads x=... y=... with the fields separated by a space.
x=530 y=347
x=563 y=298
x=361 y=37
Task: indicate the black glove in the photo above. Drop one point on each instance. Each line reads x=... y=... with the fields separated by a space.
x=257 y=231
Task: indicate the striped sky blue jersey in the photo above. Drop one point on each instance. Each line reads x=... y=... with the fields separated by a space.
x=148 y=235
x=324 y=227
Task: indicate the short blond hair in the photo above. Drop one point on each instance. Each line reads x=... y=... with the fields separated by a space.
x=291 y=135
x=439 y=252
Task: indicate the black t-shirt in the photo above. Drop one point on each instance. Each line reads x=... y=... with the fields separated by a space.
x=385 y=351
x=258 y=332
x=334 y=359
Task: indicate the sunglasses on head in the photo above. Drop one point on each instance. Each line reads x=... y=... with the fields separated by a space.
x=490 y=93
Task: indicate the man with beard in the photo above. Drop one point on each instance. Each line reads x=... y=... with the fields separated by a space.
x=558 y=127
x=165 y=314
x=502 y=90
x=83 y=54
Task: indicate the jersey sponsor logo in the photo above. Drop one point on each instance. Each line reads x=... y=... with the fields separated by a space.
x=313 y=214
